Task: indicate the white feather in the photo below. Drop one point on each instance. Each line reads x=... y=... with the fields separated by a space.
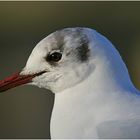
x=94 y=99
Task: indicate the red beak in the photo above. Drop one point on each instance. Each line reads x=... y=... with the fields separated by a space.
x=17 y=80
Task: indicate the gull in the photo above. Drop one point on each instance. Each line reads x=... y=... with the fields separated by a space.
x=94 y=95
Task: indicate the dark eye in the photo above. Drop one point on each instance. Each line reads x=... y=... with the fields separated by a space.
x=54 y=57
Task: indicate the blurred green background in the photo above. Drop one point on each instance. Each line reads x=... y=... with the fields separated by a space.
x=25 y=111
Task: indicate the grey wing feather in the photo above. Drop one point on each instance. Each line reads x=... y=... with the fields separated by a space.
x=119 y=130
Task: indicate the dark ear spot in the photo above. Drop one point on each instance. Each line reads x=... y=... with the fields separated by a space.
x=83 y=50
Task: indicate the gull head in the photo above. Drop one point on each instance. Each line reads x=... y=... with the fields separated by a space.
x=64 y=56
x=68 y=57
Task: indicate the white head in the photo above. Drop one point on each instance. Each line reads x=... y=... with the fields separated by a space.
x=68 y=56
